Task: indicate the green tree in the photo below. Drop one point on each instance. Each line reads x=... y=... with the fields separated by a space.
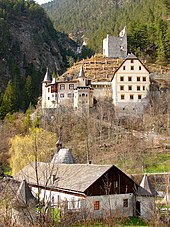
x=9 y=100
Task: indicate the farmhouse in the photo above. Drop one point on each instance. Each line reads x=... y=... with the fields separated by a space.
x=92 y=191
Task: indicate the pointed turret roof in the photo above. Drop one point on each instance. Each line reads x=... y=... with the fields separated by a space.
x=24 y=195
x=131 y=56
x=47 y=78
x=64 y=156
x=81 y=73
x=146 y=184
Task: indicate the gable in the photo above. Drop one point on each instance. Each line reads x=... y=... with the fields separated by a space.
x=114 y=181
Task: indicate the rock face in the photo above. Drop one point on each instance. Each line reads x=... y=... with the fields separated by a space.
x=29 y=43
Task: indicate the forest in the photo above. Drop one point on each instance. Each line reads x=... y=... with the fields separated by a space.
x=29 y=44
x=147 y=21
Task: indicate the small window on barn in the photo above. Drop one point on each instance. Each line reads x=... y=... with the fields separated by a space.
x=115 y=184
x=96 y=205
x=125 y=203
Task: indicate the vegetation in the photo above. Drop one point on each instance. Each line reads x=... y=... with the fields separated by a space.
x=27 y=35
x=147 y=21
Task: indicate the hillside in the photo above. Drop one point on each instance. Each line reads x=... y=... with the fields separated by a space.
x=147 y=21
x=99 y=68
x=29 y=44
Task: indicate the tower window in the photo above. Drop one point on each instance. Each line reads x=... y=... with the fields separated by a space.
x=121 y=78
x=71 y=86
x=129 y=87
x=61 y=95
x=138 y=88
x=124 y=67
x=121 y=87
x=129 y=78
x=138 y=78
x=131 y=97
x=140 y=67
x=139 y=96
x=144 y=78
x=69 y=95
x=122 y=96
x=131 y=61
x=143 y=88
x=62 y=87
x=132 y=67
x=48 y=89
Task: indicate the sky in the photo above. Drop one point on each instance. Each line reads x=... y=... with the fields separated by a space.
x=42 y=1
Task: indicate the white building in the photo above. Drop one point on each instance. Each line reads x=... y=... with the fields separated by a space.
x=76 y=93
x=130 y=86
x=115 y=47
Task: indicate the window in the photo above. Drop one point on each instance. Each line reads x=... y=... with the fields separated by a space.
x=96 y=205
x=121 y=78
x=71 y=86
x=61 y=95
x=69 y=95
x=132 y=67
x=122 y=96
x=125 y=203
x=144 y=78
x=140 y=67
x=124 y=67
x=115 y=184
x=138 y=88
x=121 y=87
x=131 y=61
x=129 y=87
x=131 y=97
x=138 y=78
x=48 y=98
x=129 y=78
x=48 y=89
x=62 y=86
x=139 y=96
x=143 y=88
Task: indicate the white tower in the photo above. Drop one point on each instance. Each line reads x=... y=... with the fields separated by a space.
x=45 y=82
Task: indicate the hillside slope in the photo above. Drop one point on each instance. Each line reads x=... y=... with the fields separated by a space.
x=29 y=44
x=147 y=21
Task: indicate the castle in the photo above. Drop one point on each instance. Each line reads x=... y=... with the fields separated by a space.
x=76 y=93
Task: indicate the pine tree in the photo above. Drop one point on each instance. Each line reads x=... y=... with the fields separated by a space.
x=9 y=100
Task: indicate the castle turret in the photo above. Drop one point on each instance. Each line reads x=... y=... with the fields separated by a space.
x=81 y=78
x=24 y=206
x=45 y=82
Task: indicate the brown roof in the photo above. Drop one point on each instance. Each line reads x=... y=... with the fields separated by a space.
x=77 y=177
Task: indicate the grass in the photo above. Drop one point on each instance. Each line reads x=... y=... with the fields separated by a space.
x=158 y=163
x=129 y=222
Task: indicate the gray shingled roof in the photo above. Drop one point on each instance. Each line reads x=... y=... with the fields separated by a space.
x=63 y=156
x=77 y=177
x=47 y=78
x=81 y=73
x=131 y=56
x=24 y=195
x=146 y=187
